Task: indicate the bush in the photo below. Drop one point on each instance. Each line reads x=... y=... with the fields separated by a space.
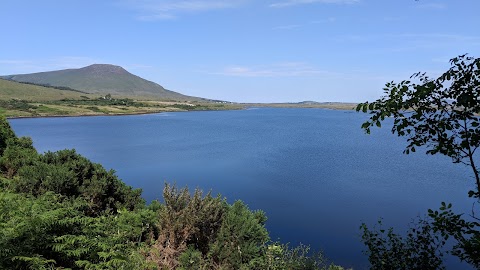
x=241 y=239
x=186 y=220
x=69 y=174
x=18 y=153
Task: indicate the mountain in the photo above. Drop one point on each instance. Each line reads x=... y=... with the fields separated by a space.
x=15 y=90
x=101 y=79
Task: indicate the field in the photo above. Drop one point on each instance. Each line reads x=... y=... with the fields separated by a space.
x=14 y=90
x=16 y=108
x=27 y=100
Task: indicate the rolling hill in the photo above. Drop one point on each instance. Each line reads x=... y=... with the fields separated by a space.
x=102 y=79
x=15 y=90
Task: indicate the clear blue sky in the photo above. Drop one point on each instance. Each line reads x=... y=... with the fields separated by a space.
x=244 y=50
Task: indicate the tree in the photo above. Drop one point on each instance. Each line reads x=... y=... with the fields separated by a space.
x=420 y=249
x=442 y=115
x=6 y=133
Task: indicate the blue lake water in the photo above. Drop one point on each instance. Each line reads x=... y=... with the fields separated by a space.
x=313 y=171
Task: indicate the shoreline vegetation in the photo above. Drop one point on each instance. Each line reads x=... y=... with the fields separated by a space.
x=109 y=106
x=101 y=106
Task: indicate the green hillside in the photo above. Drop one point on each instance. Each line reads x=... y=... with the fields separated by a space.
x=14 y=90
x=27 y=100
x=102 y=79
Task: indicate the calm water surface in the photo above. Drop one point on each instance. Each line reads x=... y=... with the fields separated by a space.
x=313 y=171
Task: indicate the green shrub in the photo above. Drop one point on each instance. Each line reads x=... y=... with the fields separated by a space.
x=18 y=153
x=186 y=220
x=6 y=133
x=240 y=239
x=29 y=226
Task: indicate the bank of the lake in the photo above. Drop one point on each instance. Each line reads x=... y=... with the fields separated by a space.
x=18 y=108
x=96 y=107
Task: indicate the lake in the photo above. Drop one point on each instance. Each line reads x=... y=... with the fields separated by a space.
x=313 y=171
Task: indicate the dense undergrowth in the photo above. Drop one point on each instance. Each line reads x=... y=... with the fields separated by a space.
x=59 y=210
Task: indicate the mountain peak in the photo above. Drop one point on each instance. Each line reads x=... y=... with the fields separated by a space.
x=104 y=69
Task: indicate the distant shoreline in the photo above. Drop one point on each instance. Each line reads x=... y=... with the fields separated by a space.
x=86 y=115
x=114 y=114
x=326 y=105
x=312 y=105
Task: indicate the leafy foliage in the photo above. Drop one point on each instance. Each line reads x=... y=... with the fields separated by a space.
x=442 y=115
x=6 y=133
x=110 y=241
x=191 y=259
x=466 y=233
x=240 y=239
x=298 y=258
x=67 y=173
x=16 y=104
x=419 y=249
x=184 y=221
x=18 y=153
x=28 y=227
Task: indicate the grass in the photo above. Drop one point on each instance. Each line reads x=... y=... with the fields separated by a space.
x=44 y=110
x=15 y=108
x=13 y=90
x=27 y=100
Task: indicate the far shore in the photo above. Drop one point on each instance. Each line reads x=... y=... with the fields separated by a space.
x=85 y=115
x=239 y=106
x=312 y=104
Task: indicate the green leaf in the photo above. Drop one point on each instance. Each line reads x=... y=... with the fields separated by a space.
x=359 y=107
